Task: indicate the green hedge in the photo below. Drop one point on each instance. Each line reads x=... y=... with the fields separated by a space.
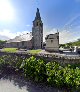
x=52 y=72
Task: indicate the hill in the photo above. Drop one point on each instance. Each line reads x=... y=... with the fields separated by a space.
x=76 y=43
x=71 y=44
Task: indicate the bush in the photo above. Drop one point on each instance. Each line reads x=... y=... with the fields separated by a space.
x=35 y=69
x=39 y=71
x=10 y=61
x=55 y=74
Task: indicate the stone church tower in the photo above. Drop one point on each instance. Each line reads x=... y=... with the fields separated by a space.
x=37 y=32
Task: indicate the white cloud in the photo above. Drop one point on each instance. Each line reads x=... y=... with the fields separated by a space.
x=47 y=31
x=28 y=25
x=64 y=35
x=10 y=34
x=72 y=21
x=7 y=33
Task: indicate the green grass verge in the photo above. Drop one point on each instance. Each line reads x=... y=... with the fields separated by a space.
x=9 y=50
x=34 y=51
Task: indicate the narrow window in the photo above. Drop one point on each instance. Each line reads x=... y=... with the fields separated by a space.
x=22 y=43
x=57 y=37
x=51 y=41
x=37 y=23
x=40 y=24
x=41 y=31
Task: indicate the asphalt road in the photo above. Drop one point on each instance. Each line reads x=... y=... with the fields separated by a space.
x=15 y=83
x=65 y=53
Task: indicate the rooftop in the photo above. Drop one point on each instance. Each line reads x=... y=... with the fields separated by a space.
x=20 y=38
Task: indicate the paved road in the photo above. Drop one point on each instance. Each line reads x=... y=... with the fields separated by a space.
x=65 y=53
x=15 y=83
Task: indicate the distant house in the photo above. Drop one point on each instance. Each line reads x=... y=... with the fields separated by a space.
x=30 y=40
x=52 y=42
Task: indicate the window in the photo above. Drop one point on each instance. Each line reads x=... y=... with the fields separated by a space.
x=40 y=24
x=51 y=38
x=57 y=37
x=51 y=41
x=37 y=24
x=41 y=44
x=41 y=31
x=17 y=44
x=22 y=43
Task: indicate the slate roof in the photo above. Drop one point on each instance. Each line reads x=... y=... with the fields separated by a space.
x=20 y=38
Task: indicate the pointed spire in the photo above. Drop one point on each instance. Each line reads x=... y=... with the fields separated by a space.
x=38 y=14
x=37 y=9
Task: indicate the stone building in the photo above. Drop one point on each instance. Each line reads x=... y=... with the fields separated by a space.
x=37 y=31
x=52 y=42
x=32 y=40
x=22 y=41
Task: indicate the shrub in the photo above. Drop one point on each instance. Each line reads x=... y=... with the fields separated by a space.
x=33 y=68
x=36 y=69
x=55 y=74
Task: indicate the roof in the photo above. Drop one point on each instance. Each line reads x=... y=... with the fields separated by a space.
x=24 y=37
x=52 y=36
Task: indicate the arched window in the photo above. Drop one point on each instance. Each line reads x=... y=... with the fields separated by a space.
x=37 y=23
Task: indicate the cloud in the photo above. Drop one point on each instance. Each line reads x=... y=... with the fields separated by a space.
x=47 y=31
x=28 y=25
x=72 y=21
x=64 y=35
x=10 y=34
x=70 y=31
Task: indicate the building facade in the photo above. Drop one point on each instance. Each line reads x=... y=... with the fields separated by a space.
x=52 y=42
x=22 y=41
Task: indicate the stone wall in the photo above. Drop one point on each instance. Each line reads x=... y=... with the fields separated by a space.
x=22 y=44
x=47 y=57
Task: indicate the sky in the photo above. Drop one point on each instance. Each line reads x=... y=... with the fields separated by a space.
x=16 y=18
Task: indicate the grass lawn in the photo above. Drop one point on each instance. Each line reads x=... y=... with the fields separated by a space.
x=35 y=51
x=9 y=50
